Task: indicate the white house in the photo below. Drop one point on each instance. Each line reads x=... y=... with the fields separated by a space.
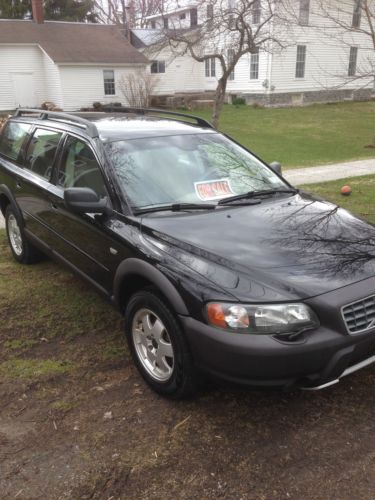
x=174 y=73
x=184 y=17
x=315 y=66
x=70 y=64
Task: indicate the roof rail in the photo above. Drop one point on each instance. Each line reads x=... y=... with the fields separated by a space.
x=91 y=129
x=153 y=111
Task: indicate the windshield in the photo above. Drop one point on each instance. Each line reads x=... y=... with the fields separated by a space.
x=197 y=168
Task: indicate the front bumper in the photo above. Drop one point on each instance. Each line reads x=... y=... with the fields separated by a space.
x=261 y=360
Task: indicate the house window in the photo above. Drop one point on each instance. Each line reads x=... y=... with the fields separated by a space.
x=230 y=60
x=353 y=56
x=109 y=82
x=356 y=22
x=210 y=66
x=183 y=16
x=301 y=61
x=193 y=17
x=304 y=12
x=153 y=24
x=254 y=65
x=166 y=22
x=256 y=11
x=158 y=67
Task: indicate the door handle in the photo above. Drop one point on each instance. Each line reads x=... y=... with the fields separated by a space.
x=54 y=206
x=18 y=185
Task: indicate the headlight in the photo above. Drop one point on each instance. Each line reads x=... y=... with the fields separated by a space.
x=262 y=318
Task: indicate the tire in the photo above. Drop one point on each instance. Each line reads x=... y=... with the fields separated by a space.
x=23 y=251
x=158 y=346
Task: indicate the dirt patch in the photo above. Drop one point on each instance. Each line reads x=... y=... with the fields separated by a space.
x=76 y=420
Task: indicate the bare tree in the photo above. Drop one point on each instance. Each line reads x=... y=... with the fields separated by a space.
x=127 y=13
x=144 y=8
x=138 y=87
x=113 y=12
x=226 y=32
x=352 y=24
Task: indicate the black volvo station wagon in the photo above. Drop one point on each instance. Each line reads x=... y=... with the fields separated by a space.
x=220 y=266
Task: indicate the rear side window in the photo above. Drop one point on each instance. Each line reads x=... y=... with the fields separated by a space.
x=41 y=152
x=12 y=139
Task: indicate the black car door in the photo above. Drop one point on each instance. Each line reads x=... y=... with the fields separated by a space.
x=33 y=183
x=84 y=240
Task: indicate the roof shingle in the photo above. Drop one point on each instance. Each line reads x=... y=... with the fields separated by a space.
x=74 y=42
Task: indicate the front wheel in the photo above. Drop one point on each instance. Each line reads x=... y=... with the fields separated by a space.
x=23 y=251
x=158 y=346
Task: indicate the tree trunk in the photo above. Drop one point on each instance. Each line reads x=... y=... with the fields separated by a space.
x=219 y=101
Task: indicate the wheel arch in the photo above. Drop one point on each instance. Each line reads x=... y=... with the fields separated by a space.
x=7 y=198
x=134 y=274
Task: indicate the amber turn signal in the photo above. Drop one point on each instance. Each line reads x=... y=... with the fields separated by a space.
x=233 y=316
x=216 y=315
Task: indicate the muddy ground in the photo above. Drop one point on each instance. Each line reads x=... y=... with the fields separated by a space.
x=76 y=420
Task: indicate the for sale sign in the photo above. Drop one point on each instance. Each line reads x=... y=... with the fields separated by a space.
x=213 y=190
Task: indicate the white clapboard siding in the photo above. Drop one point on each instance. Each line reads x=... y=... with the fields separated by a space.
x=83 y=85
x=242 y=81
x=69 y=87
x=174 y=19
x=21 y=59
x=182 y=73
x=327 y=60
x=52 y=81
x=327 y=56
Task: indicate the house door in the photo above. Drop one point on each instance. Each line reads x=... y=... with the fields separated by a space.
x=24 y=89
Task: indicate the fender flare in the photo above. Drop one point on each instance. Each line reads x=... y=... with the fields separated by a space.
x=134 y=266
x=7 y=192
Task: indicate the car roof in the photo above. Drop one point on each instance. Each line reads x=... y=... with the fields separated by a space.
x=120 y=126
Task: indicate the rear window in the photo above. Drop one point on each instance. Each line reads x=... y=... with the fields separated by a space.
x=41 y=152
x=12 y=139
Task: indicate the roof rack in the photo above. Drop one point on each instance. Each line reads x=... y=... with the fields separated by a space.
x=153 y=111
x=90 y=128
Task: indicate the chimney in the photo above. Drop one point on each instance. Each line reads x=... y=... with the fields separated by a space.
x=37 y=7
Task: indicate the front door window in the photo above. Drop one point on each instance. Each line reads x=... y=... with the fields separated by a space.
x=79 y=168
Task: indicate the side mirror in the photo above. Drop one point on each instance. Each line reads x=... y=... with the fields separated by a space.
x=276 y=167
x=85 y=201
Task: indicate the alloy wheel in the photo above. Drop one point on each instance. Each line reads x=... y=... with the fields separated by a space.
x=15 y=236
x=153 y=345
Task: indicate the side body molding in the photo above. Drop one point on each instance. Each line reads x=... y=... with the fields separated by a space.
x=133 y=266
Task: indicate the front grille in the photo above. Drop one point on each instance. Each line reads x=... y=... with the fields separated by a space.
x=360 y=316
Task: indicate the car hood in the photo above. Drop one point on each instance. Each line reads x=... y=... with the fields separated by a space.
x=284 y=248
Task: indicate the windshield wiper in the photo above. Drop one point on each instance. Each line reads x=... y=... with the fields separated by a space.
x=175 y=207
x=255 y=194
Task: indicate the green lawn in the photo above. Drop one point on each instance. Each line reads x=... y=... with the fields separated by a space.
x=360 y=202
x=308 y=136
